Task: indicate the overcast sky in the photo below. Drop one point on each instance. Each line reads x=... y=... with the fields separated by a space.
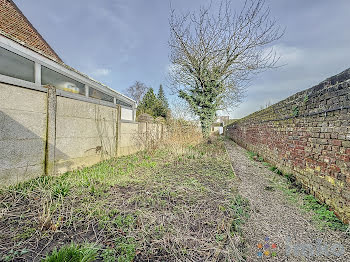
x=120 y=41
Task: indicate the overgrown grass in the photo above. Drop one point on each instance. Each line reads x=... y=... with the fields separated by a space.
x=73 y=253
x=163 y=205
x=323 y=216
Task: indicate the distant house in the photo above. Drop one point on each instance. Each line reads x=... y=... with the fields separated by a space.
x=219 y=123
x=28 y=61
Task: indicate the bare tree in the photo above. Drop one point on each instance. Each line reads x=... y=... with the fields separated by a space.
x=137 y=91
x=180 y=109
x=214 y=55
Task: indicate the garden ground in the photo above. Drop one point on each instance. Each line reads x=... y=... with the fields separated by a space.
x=166 y=205
x=183 y=204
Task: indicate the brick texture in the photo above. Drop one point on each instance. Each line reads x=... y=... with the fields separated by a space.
x=308 y=135
x=14 y=25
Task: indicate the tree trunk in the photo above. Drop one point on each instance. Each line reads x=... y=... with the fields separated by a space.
x=207 y=119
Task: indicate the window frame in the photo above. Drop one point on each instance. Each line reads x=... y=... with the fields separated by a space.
x=15 y=55
x=40 y=60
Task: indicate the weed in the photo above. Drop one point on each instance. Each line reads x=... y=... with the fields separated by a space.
x=219 y=237
x=323 y=213
x=13 y=254
x=266 y=164
x=73 y=253
x=293 y=189
x=60 y=189
x=148 y=164
x=138 y=205
x=272 y=168
x=240 y=208
x=251 y=155
x=124 y=221
x=277 y=171
x=27 y=233
x=295 y=111
x=109 y=255
x=290 y=179
x=126 y=249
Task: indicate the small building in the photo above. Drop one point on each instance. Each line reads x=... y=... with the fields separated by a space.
x=218 y=125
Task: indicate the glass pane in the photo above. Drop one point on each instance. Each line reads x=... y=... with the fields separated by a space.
x=50 y=77
x=94 y=93
x=119 y=102
x=16 y=66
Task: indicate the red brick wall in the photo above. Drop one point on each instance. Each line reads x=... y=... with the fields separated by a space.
x=308 y=135
x=14 y=25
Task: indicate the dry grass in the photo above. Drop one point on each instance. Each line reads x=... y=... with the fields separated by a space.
x=175 y=135
x=176 y=203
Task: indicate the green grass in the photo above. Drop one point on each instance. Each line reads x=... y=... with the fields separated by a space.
x=124 y=251
x=251 y=155
x=73 y=253
x=323 y=214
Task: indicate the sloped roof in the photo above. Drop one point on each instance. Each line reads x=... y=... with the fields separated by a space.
x=15 y=26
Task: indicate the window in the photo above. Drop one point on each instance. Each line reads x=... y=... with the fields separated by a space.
x=50 y=77
x=16 y=66
x=119 y=102
x=94 y=93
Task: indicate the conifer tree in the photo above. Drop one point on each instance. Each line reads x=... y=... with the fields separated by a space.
x=163 y=107
x=149 y=104
x=162 y=97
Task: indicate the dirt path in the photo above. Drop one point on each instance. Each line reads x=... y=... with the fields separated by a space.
x=283 y=223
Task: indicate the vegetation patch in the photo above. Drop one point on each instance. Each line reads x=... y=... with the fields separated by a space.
x=73 y=253
x=164 y=205
x=323 y=216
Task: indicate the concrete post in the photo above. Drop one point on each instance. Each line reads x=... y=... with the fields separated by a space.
x=118 y=129
x=86 y=90
x=37 y=72
x=147 y=135
x=162 y=131
x=133 y=112
x=50 y=143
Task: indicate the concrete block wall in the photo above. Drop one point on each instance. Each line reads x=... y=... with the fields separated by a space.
x=22 y=133
x=43 y=133
x=85 y=134
x=136 y=136
x=308 y=135
x=130 y=138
